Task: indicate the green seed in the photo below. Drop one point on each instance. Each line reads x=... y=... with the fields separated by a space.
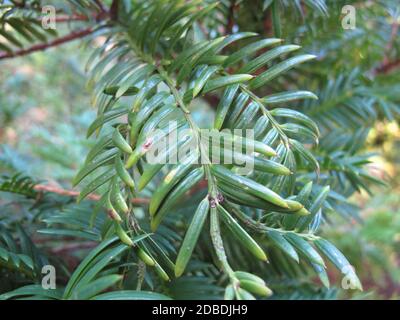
x=120 y=142
x=123 y=173
x=161 y=272
x=255 y=287
x=145 y=257
x=242 y=275
x=123 y=236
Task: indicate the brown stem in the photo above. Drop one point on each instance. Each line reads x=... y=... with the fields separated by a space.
x=43 y=46
x=114 y=10
x=267 y=23
x=212 y=100
x=71 y=193
x=100 y=5
x=393 y=35
x=102 y=15
x=387 y=65
x=81 y=17
x=231 y=18
x=75 y=17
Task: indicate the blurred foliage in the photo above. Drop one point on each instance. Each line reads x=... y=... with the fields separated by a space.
x=374 y=245
x=46 y=115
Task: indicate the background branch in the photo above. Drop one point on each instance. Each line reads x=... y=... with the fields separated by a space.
x=387 y=65
x=72 y=193
x=43 y=46
x=102 y=15
x=114 y=10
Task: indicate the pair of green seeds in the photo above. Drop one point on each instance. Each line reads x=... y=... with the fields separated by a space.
x=248 y=284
